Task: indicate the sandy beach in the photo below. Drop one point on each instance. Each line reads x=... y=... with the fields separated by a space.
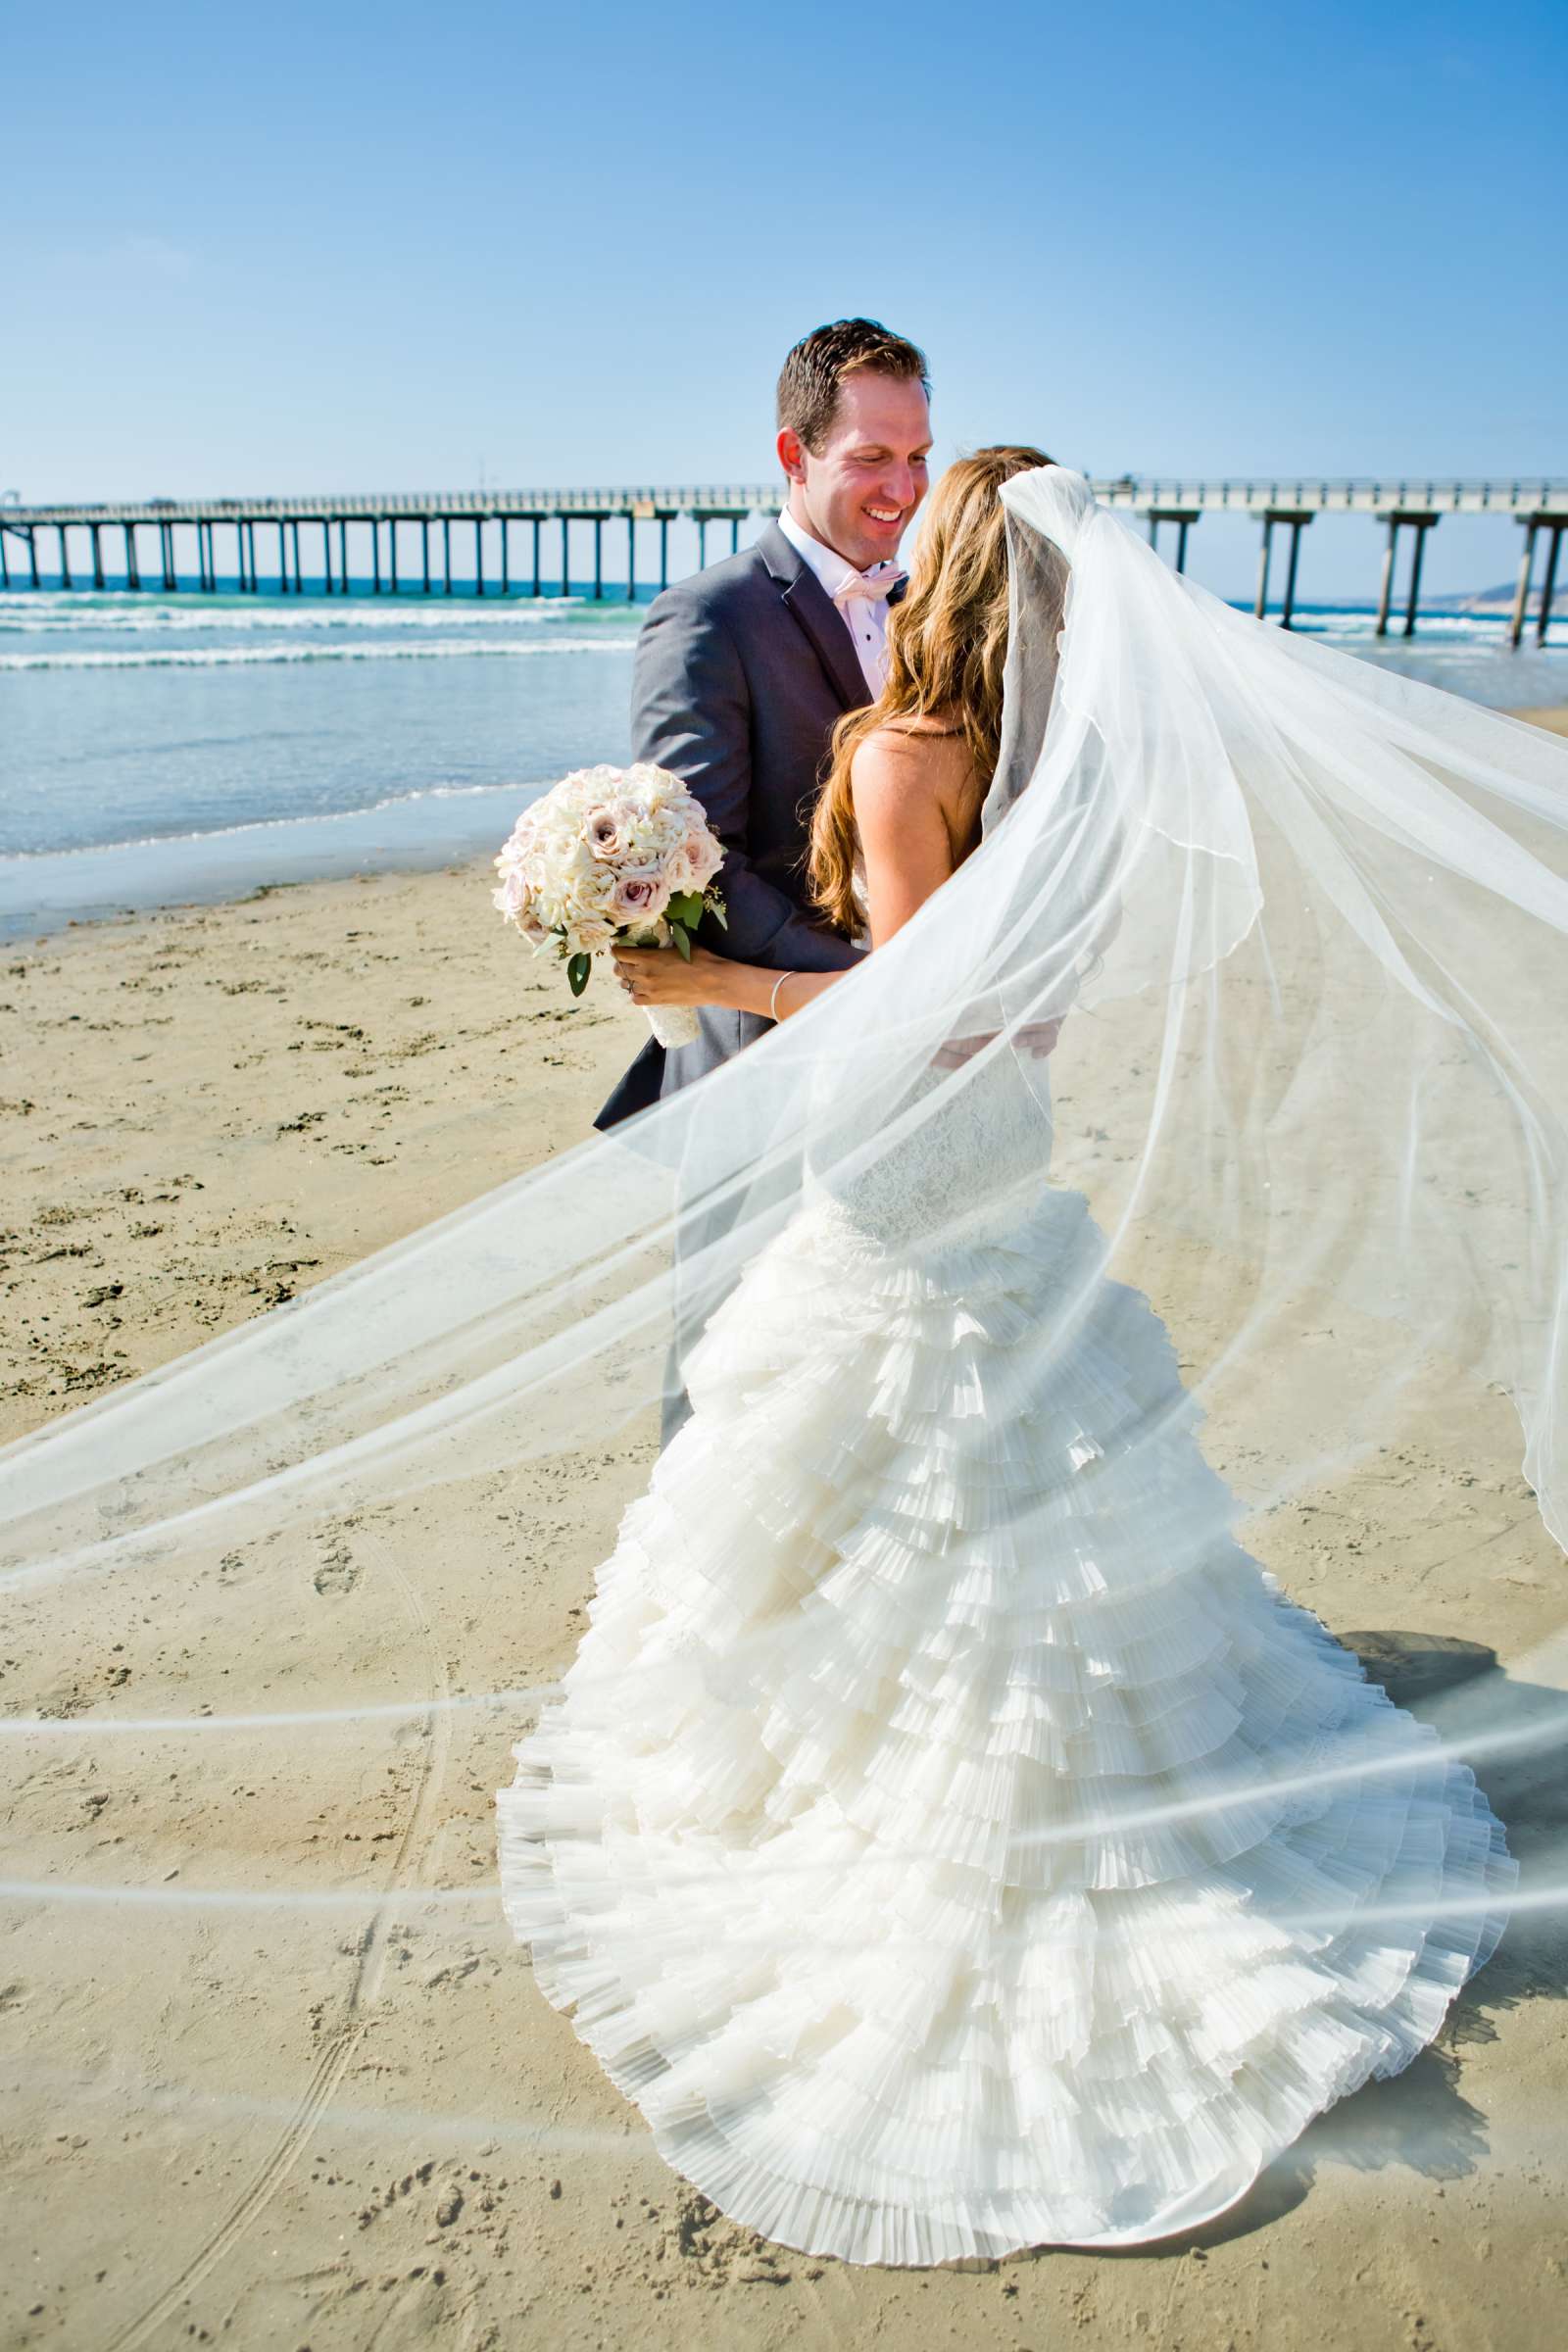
x=326 y=2129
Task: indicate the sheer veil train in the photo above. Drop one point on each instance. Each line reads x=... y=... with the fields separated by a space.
x=947 y=1833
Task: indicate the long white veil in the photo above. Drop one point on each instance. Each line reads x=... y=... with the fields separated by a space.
x=1309 y=921
x=1296 y=929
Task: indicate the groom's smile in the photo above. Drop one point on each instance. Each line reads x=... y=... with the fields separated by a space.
x=858 y=491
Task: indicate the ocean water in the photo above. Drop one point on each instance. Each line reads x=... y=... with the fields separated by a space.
x=161 y=749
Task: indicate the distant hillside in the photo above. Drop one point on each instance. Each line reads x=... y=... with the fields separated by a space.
x=1494 y=600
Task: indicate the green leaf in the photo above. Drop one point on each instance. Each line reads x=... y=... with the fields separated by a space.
x=682 y=942
x=686 y=907
x=578 y=968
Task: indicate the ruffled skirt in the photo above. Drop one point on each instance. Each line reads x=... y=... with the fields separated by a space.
x=946 y=1834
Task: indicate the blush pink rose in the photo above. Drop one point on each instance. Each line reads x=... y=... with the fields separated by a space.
x=640 y=896
x=703 y=855
x=607 y=827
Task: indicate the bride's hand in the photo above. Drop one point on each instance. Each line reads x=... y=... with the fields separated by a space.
x=662 y=976
x=1034 y=1037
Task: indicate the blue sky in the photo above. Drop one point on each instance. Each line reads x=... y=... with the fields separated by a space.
x=348 y=246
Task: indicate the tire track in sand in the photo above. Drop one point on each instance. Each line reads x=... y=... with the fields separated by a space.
x=369 y=1969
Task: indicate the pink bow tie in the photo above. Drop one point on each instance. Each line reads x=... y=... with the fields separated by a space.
x=872 y=585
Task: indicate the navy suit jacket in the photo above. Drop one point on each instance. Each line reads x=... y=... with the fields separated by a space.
x=741 y=674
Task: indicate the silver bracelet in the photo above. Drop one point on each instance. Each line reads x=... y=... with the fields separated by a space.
x=772 y=1001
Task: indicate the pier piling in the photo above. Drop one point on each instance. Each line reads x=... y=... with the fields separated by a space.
x=65 y=557
x=97 y=556
x=1289 y=575
x=1521 y=597
x=1420 y=523
x=1183 y=518
x=1260 y=601
x=1386 y=584
x=132 y=575
x=1422 y=527
x=1297 y=519
x=1548 y=584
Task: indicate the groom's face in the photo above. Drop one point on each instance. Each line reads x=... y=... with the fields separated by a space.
x=859 y=492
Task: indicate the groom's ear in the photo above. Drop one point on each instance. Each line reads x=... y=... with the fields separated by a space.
x=792 y=454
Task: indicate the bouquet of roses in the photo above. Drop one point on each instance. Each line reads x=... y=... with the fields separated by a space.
x=613 y=853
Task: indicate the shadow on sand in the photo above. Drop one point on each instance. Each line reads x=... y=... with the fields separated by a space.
x=1420 y=2119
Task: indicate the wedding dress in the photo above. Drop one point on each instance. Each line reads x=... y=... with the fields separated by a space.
x=946 y=1833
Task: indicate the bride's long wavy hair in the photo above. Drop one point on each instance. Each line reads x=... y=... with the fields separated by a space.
x=946 y=645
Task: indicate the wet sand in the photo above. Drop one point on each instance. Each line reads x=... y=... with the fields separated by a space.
x=263 y=2126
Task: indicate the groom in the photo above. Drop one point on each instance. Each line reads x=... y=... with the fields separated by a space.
x=743 y=672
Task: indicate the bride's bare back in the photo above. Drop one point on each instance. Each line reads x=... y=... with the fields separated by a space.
x=917 y=800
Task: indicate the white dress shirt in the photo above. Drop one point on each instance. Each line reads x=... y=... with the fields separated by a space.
x=865 y=619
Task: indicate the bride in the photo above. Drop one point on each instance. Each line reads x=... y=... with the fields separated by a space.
x=947 y=1833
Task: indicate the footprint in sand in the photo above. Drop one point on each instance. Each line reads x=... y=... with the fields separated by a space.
x=338 y=1572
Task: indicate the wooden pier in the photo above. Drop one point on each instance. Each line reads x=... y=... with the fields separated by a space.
x=1540 y=506
x=400 y=543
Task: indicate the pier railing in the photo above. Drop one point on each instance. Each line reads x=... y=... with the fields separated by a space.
x=1540 y=505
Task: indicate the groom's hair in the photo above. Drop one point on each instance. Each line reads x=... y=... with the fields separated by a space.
x=811 y=377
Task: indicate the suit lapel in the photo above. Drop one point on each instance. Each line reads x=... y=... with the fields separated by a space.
x=810 y=605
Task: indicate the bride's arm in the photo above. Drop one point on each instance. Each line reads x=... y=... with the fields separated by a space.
x=908 y=853
x=906 y=842
x=661 y=976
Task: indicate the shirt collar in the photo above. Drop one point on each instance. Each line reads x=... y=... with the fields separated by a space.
x=827 y=562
